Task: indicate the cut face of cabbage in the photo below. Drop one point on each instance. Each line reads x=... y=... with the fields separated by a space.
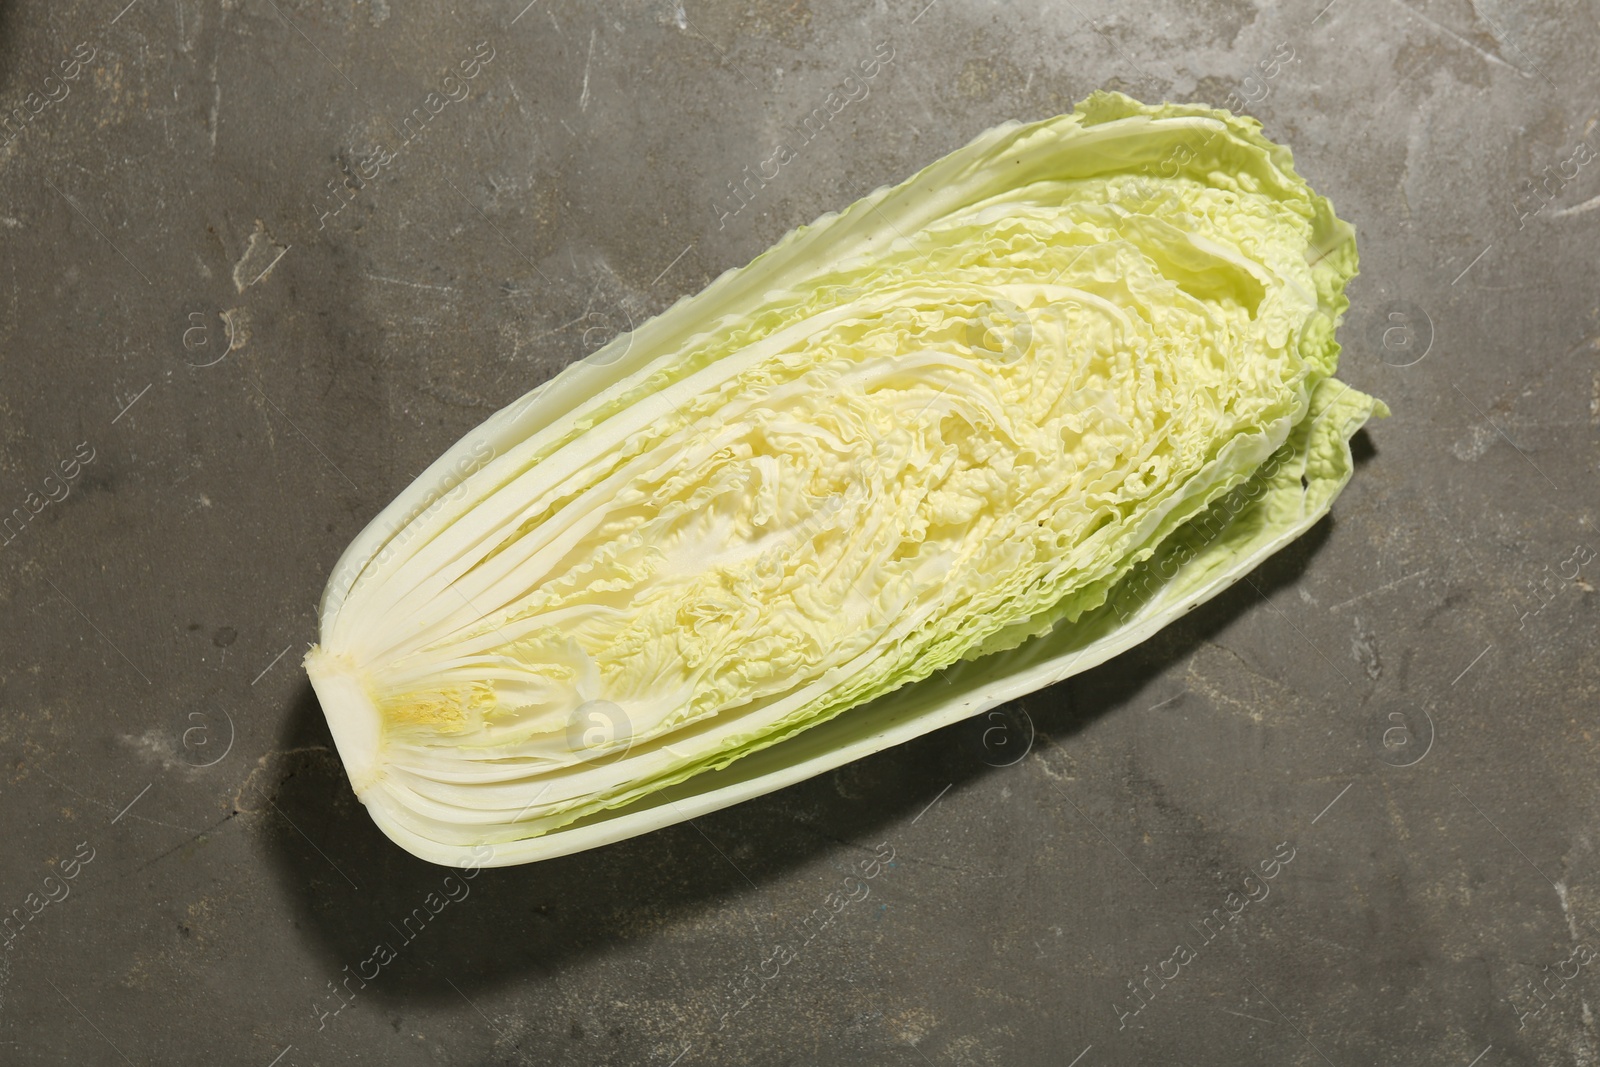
x=998 y=422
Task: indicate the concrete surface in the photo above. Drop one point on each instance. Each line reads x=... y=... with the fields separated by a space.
x=222 y=379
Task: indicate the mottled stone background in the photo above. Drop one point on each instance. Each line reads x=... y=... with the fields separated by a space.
x=1403 y=701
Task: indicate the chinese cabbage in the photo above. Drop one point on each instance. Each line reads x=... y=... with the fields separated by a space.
x=998 y=422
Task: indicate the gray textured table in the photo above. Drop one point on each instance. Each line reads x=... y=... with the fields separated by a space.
x=230 y=337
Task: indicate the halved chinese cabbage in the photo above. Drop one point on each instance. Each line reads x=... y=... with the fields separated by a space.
x=999 y=422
